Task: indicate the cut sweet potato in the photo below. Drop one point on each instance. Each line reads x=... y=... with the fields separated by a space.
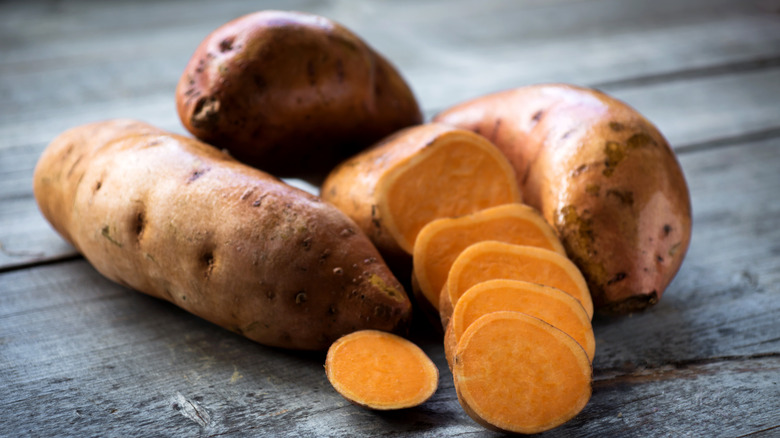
x=516 y=373
x=602 y=174
x=379 y=370
x=496 y=260
x=440 y=242
x=415 y=176
x=549 y=304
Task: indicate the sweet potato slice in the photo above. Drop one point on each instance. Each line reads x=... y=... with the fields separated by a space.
x=516 y=373
x=491 y=260
x=415 y=176
x=379 y=370
x=549 y=304
x=440 y=242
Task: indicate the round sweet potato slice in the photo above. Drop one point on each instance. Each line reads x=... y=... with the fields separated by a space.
x=549 y=304
x=516 y=373
x=379 y=370
x=491 y=260
x=440 y=241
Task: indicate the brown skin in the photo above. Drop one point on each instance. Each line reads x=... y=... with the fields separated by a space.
x=179 y=220
x=291 y=93
x=603 y=175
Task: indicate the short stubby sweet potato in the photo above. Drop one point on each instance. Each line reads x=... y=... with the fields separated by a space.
x=182 y=221
x=419 y=174
x=291 y=93
x=602 y=174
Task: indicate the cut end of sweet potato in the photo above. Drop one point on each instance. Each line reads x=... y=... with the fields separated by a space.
x=497 y=260
x=381 y=371
x=456 y=173
x=549 y=304
x=440 y=241
x=516 y=373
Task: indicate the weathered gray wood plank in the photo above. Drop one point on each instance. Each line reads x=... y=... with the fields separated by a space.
x=85 y=356
x=448 y=53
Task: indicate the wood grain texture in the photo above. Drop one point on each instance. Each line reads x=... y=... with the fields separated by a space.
x=81 y=356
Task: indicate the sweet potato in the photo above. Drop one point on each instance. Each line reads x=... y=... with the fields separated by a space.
x=492 y=260
x=291 y=93
x=602 y=174
x=549 y=304
x=379 y=370
x=417 y=175
x=180 y=220
x=439 y=243
x=516 y=373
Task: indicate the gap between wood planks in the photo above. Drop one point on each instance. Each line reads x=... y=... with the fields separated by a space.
x=672 y=369
x=39 y=263
x=758 y=432
x=692 y=73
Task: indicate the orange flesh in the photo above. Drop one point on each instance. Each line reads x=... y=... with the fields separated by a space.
x=448 y=178
x=551 y=305
x=496 y=260
x=440 y=241
x=380 y=370
x=520 y=374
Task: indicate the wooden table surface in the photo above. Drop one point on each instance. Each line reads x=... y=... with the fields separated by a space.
x=82 y=356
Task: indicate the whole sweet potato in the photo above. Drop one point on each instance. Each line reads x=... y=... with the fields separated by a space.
x=602 y=174
x=180 y=220
x=291 y=93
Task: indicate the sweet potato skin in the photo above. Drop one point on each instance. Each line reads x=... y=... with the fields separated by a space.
x=603 y=175
x=291 y=93
x=179 y=220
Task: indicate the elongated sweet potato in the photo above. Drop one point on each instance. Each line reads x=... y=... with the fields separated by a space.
x=439 y=243
x=415 y=176
x=379 y=370
x=291 y=93
x=602 y=174
x=549 y=304
x=516 y=373
x=492 y=260
x=179 y=220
